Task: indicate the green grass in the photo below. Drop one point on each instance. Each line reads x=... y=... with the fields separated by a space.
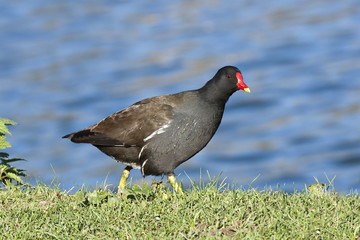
x=208 y=211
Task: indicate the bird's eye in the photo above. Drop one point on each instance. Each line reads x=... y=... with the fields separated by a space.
x=228 y=76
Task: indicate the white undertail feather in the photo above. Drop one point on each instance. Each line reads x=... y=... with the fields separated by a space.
x=133 y=165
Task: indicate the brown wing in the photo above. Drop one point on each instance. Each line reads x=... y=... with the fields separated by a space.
x=128 y=127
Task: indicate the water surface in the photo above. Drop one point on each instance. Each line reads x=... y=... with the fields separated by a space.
x=65 y=65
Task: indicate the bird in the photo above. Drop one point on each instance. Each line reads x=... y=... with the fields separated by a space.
x=159 y=133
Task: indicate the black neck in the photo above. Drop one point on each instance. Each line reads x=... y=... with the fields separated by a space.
x=214 y=93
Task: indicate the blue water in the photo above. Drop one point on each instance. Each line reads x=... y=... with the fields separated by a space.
x=65 y=65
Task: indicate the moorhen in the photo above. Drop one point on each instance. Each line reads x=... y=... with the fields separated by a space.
x=157 y=134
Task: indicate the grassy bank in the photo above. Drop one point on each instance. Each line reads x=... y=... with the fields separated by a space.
x=205 y=212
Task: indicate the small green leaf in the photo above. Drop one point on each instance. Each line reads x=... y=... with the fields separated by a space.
x=8 y=160
x=15 y=177
x=3 y=127
x=7 y=121
x=4 y=155
x=3 y=142
x=318 y=189
x=80 y=196
x=97 y=197
x=3 y=167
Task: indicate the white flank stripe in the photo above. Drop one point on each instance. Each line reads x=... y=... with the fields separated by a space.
x=142 y=167
x=142 y=149
x=159 y=131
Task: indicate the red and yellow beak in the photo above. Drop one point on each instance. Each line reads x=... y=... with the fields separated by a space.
x=241 y=85
x=247 y=90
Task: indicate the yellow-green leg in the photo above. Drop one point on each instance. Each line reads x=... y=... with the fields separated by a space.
x=124 y=176
x=174 y=184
